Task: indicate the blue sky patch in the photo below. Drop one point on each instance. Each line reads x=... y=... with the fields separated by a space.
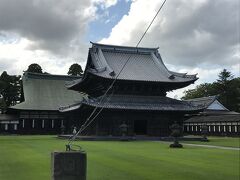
x=107 y=19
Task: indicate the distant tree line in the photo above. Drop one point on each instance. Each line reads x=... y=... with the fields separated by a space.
x=226 y=87
x=11 y=88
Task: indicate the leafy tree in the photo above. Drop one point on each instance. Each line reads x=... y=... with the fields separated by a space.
x=202 y=90
x=75 y=70
x=224 y=76
x=223 y=81
x=226 y=86
x=35 y=68
x=230 y=94
x=10 y=88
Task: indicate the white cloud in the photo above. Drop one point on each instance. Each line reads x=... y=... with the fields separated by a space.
x=198 y=36
x=16 y=57
x=105 y=3
x=48 y=32
x=136 y=18
x=188 y=32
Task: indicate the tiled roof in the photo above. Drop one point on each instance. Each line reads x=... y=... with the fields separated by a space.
x=202 y=101
x=47 y=92
x=210 y=102
x=137 y=103
x=145 y=64
x=214 y=118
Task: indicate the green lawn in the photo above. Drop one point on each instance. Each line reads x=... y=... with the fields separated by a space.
x=28 y=158
x=219 y=141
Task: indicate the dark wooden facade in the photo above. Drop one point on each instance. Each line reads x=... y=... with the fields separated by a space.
x=109 y=120
x=40 y=122
x=226 y=128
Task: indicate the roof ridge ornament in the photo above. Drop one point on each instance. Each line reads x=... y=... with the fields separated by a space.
x=112 y=73
x=103 y=61
x=171 y=76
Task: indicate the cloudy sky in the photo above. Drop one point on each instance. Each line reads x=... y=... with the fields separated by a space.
x=197 y=36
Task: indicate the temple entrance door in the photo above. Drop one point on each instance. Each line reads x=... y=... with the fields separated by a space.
x=140 y=127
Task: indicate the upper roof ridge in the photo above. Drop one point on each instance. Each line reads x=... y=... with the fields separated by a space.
x=127 y=48
x=214 y=97
x=48 y=76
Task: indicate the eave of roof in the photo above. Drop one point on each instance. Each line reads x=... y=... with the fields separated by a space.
x=8 y=117
x=214 y=118
x=145 y=65
x=87 y=84
x=137 y=103
x=219 y=112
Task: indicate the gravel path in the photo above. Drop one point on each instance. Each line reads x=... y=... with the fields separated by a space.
x=211 y=146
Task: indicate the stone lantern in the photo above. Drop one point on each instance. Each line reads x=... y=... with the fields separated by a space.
x=176 y=133
x=123 y=128
x=204 y=132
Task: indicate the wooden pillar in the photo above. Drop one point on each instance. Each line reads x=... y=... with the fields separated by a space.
x=23 y=123
x=15 y=127
x=97 y=127
x=33 y=123
x=6 y=126
x=52 y=123
x=43 y=123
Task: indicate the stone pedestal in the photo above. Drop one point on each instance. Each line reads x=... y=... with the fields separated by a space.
x=69 y=165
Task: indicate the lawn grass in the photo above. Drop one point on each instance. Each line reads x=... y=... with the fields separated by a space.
x=219 y=141
x=28 y=158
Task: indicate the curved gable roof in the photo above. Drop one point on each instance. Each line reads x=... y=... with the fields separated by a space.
x=210 y=102
x=144 y=64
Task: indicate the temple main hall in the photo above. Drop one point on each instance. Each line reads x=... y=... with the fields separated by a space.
x=137 y=98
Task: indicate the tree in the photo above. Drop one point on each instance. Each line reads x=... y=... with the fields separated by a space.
x=226 y=87
x=202 y=90
x=224 y=76
x=75 y=70
x=35 y=68
x=10 y=88
x=230 y=94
